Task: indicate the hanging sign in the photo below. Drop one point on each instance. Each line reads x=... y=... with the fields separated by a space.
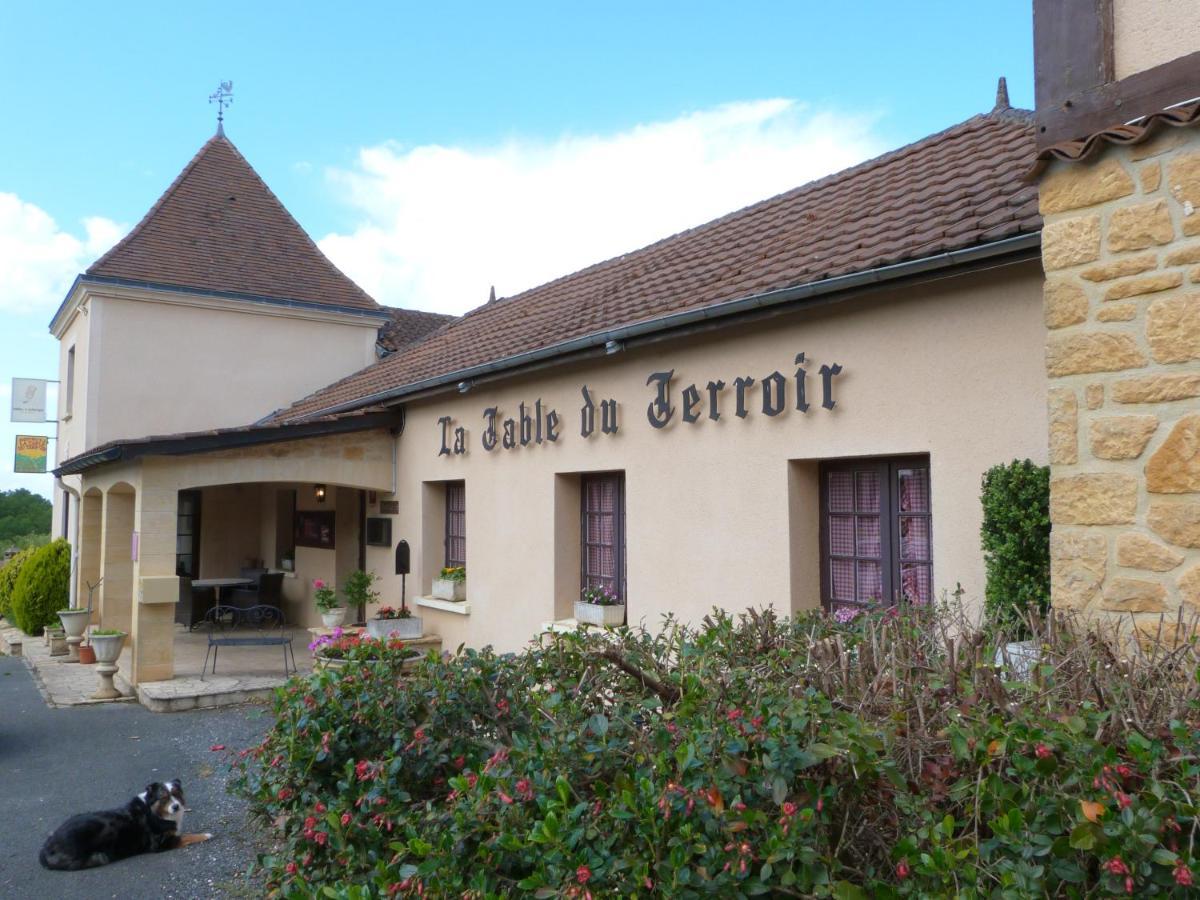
x=28 y=400
x=31 y=453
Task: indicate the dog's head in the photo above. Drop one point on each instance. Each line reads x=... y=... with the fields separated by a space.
x=165 y=800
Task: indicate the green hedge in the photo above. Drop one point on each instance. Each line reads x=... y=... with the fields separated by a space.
x=42 y=587
x=8 y=577
x=1016 y=543
x=750 y=757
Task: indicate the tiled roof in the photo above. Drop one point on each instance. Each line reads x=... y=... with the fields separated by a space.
x=962 y=187
x=1143 y=129
x=219 y=227
x=407 y=326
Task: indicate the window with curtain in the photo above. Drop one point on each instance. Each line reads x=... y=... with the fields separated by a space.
x=876 y=533
x=456 y=523
x=602 y=553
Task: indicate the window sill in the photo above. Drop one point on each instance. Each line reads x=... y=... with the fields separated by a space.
x=458 y=607
x=562 y=626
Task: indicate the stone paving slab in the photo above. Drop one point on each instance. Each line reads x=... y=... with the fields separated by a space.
x=62 y=683
x=181 y=694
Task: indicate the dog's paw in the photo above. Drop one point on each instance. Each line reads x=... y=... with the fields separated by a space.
x=207 y=835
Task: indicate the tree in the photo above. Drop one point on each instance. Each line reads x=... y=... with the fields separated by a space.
x=22 y=513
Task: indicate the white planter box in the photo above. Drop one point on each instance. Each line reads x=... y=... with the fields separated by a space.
x=445 y=589
x=591 y=614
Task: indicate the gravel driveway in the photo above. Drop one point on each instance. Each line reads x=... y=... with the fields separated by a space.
x=58 y=762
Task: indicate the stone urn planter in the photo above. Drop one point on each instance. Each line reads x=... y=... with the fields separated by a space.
x=595 y=614
x=446 y=589
x=108 y=651
x=74 y=623
x=332 y=618
x=1022 y=657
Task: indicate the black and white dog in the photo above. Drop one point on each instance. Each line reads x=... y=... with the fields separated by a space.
x=148 y=823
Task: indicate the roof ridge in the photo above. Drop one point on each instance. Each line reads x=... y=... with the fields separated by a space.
x=825 y=180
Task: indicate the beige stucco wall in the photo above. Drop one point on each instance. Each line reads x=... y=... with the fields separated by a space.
x=1147 y=33
x=1120 y=248
x=725 y=513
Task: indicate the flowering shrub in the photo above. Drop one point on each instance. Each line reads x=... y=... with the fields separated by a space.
x=600 y=596
x=324 y=596
x=390 y=612
x=454 y=573
x=743 y=757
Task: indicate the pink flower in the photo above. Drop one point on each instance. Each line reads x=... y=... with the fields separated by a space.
x=321 y=838
x=291 y=868
x=345 y=819
x=310 y=823
x=789 y=808
x=582 y=874
x=503 y=796
x=319 y=584
x=1183 y=875
x=320 y=807
x=1116 y=866
x=1043 y=752
x=902 y=869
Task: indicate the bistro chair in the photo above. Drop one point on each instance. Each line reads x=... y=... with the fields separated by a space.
x=254 y=626
x=267 y=592
x=193 y=603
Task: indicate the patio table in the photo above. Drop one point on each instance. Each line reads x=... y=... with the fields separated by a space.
x=220 y=584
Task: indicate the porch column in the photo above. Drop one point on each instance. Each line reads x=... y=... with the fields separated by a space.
x=91 y=525
x=116 y=566
x=153 y=634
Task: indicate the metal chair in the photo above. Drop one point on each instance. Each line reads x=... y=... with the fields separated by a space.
x=262 y=626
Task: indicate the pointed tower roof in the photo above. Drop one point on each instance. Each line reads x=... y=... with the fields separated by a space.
x=218 y=227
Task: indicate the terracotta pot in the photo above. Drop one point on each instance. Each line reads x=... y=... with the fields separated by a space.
x=87 y=654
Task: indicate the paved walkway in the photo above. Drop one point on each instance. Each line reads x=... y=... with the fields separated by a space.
x=57 y=762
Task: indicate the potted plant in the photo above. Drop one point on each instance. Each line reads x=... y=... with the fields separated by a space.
x=386 y=621
x=326 y=600
x=339 y=650
x=107 y=642
x=599 y=606
x=74 y=623
x=451 y=584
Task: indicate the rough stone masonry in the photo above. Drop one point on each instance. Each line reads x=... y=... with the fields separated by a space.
x=1121 y=251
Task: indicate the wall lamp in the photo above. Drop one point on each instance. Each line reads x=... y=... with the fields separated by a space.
x=611 y=347
x=319 y=492
x=464 y=386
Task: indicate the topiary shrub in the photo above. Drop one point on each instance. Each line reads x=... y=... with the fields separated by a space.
x=8 y=577
x=1016 y=543
x=42 y=587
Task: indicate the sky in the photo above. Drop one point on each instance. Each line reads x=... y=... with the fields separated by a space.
x=436 y=150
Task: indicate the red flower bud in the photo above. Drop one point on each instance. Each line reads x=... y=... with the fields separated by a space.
x=902 y=869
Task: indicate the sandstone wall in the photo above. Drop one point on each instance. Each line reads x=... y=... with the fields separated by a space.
x=1121 y=250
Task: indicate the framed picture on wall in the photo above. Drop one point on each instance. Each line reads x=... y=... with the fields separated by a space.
x=314 y=529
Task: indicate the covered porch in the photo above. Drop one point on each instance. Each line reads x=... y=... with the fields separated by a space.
x=160 y=520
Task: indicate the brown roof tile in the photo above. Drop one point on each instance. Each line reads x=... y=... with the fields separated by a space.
x=1185 y=116
x=961 y=187
x=219 y=227
x=407 y=326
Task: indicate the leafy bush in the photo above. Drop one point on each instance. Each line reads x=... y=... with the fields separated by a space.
x=42 y=588
x=1016 y=543
x=22 y=512
x=359 y=589
x=8 y=577
x=884 y=757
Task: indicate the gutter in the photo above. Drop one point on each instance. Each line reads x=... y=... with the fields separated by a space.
x=809 y=294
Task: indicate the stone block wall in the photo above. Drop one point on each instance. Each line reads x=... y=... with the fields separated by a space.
x=1121 y=251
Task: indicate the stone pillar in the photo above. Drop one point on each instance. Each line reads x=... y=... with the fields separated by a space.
x=91 y=524
x=1121 y=248
x=153 y=649
x=116 y=563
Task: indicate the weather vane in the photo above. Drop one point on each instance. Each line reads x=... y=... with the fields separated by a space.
x=223 y=97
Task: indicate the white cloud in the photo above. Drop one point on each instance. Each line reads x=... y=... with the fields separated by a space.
x=38 y=259
x=438 y=225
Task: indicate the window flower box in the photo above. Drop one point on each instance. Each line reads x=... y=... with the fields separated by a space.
x=599 y=606
x=451 y=584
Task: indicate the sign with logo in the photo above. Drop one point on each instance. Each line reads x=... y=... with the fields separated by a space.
x=28 y=400
x=30 y=457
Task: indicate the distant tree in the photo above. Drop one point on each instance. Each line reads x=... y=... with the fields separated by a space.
x=22 y=513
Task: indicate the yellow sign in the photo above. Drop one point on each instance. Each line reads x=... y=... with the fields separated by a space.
x=30 y=458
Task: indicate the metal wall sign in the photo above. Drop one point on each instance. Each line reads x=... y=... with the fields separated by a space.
x=28 y=400
x=31 y=453
x=687 y=407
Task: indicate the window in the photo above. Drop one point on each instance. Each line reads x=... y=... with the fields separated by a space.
x=70 y=382
x=456 y=524
x=187 y=535
x=876 y=532
x=602 y=552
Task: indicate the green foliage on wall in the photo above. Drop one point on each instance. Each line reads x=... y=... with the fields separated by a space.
x=1016 y=542
x=22 y=513
x=42 y=587
x=8 y=578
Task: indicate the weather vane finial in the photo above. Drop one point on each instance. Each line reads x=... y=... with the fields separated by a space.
x=223 y=97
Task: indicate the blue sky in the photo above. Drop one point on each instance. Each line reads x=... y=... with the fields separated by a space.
x=435 y=149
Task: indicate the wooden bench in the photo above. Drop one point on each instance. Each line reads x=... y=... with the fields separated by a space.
x=252 y=626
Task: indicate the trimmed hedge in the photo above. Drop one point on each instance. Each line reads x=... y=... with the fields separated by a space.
x=745 y=757
x=42 y=588
x=1016 y=544
x=8 y=578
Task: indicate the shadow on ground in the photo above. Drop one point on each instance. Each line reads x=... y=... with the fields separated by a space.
x=57 y=762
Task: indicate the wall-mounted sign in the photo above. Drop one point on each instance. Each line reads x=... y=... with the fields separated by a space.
x=28 y=400
x=30 y=455
x=536 y=423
